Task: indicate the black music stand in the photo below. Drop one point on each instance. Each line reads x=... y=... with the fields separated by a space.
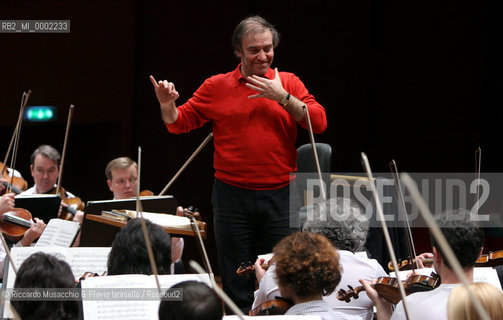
x=96 y=234
x=42 y=206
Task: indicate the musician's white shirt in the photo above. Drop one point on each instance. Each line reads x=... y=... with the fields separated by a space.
x=354 y=268
x=426 y=305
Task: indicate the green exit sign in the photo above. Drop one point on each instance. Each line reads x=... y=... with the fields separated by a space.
x=40 y=113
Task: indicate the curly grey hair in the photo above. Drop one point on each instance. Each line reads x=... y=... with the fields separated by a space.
x=341 y=220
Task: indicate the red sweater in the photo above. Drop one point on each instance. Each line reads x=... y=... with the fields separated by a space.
x=254 y=138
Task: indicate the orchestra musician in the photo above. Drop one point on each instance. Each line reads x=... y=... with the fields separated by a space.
x=465 y=238
x=307 y=268
x=460 y=306
x=43 y=271
x=254 y=111
x=45 y=162
x=129 y=252
x=343 y=223
x=7 y=203
x=199 y=302
x=122 y=180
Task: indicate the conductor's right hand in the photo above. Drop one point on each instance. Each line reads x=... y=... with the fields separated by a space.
x=167 y=95
x=165 y=91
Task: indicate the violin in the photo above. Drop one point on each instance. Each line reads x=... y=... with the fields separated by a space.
x=191 y=212
x=490 y=259
x=146 y=193
x=249 y=268
x=14 y=223
x=387 y=287
x=276 y=306
x=407 y=265
x=18 y=184
x=89 y=274
x=73 y=204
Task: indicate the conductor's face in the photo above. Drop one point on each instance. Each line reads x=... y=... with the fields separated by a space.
x=45 y=173
x=256 y=53
x=123 y=183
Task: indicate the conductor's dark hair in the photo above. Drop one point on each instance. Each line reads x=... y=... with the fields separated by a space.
x=129 y=253
x=463 y=234
x=198 y=302
x=253 y=24
x=41 y=270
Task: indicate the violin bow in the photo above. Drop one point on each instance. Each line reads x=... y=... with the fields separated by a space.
x=15 y=138
x=398 y=188
x=442 y=242
x=218 y=291
x=202 y=248
x=24 y=101
x=201 y=146
x=380 y=214
x=478 y=159
x=68 y=123
x=11 y=261
x=148 y=244
x=315 y=152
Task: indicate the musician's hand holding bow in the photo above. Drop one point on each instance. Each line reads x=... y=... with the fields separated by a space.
x=34 y=232
x=259 y=271
x=78 y=217
x=6 y=202
x=384 y=308
x=167 y=95
x=176 y=242
x=419 y=259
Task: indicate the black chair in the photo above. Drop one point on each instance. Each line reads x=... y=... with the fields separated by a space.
x=306 y=170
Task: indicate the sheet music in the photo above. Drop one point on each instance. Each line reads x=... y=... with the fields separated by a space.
x=166 y=220
x=486 y=274
x=80 y=259
x=289 y=317
x=144 y=308
x=59 y=233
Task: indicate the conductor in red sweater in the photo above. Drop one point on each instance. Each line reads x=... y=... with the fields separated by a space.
x=254 y=112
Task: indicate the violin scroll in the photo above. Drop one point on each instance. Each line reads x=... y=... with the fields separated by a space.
x=249 y=268
x=346 y=295
x=191 y=212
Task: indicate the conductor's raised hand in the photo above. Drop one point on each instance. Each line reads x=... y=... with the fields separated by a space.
x=165 y=91
x=266 y=88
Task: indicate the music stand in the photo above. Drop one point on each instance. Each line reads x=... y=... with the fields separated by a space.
x=97 y=234
x=42 y=206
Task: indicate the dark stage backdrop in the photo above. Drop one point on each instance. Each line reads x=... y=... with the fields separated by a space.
x=419 y=82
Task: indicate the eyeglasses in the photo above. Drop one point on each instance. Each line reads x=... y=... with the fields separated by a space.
x=122 y=182
x=40 y=171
